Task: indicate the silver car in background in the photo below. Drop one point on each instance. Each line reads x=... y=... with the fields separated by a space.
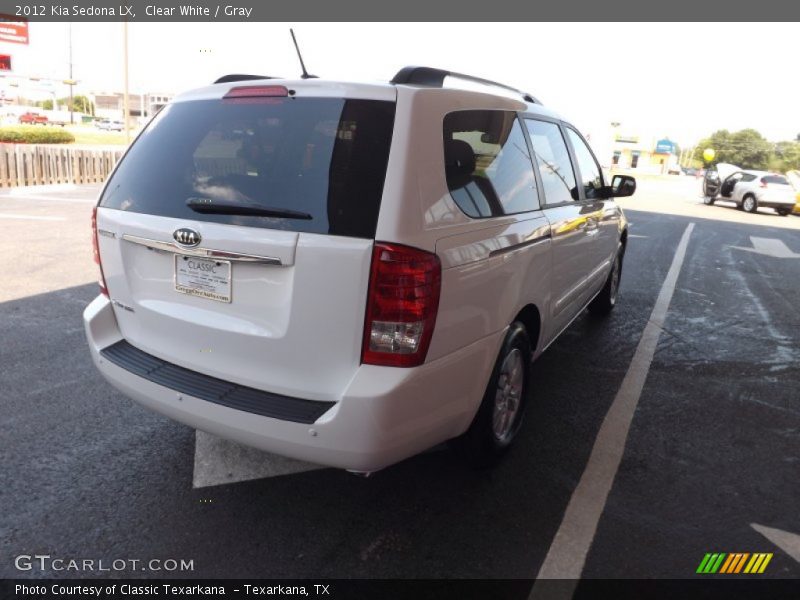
x=749 y=189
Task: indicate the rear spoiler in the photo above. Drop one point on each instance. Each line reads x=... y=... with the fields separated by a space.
x=243 y=77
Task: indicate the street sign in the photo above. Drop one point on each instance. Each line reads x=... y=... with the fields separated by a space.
x=13 y=30
x=665 y=146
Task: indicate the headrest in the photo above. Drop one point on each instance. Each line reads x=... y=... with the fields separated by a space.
x=459 y=163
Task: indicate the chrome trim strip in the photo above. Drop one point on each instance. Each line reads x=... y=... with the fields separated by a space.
x=201 y=252
x=513 y=247
x=106 y=233
x=599 y=270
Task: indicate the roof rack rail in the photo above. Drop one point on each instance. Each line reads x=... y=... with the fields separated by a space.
x=242 y=77
x=435 y=78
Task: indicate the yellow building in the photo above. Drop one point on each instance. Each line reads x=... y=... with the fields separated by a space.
x=657 y=156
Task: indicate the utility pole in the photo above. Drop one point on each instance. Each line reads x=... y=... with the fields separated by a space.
x=71 y=81
x=125 y=92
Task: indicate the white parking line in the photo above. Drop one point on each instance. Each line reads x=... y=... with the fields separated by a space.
x=785 y=540
x=567 y=554
x=31 y=217
x=769 y=247
x=218 y=461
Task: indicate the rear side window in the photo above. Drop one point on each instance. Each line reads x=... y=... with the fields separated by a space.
x=775 y=179
x=591 y=176
x=555 y=166
x=487 y=164
x=748 y=177
x=325 y=157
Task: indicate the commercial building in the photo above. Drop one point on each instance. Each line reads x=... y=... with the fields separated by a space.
x=111 y=105
x=644 y=154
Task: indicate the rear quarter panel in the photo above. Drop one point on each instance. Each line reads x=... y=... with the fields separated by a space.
x=489 y=275
x=484 y=285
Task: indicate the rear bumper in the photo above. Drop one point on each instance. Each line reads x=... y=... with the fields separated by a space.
x=776 y=201
x=384 y=416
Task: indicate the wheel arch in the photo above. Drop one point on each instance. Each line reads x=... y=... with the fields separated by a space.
x=531 y=318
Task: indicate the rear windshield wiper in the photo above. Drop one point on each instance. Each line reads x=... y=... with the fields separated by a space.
x=212 y=207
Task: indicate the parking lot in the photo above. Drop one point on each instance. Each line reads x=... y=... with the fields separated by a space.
x=709 y=463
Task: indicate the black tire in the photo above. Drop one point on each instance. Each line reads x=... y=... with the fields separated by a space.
x=606 y=300
x=784 y=212
x=480 y=446
x=749 y=203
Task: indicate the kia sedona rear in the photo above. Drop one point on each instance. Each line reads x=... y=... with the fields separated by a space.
x=239 y=270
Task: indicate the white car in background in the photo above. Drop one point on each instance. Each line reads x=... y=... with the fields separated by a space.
x=749 y=189
x=109 y=125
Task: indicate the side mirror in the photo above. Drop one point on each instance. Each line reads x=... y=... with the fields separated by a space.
x=621 y=186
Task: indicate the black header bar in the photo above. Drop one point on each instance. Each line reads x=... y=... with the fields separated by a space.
x=408 y=10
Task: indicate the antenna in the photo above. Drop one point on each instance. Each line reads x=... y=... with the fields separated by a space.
x=305 y=74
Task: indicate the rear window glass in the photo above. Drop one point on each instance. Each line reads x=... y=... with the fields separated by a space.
x=324 y=157
x=775 y=179
x=487 y=164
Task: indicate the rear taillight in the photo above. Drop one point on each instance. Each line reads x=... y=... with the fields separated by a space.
x=401 y=306
x=256 y=94
x=258 y=91
x=96 y=253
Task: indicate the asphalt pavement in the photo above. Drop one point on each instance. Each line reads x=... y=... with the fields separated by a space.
x=710 y=462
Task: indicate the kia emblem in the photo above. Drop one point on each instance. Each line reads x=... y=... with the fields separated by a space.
x=186 y=237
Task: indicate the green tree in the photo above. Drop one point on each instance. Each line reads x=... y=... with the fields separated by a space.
x=787 y=156
x=80 y=104
x=746 y=148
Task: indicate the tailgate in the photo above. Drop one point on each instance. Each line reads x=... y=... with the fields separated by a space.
x=236 y=237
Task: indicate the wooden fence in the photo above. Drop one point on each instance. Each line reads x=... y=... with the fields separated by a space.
x=44 y=164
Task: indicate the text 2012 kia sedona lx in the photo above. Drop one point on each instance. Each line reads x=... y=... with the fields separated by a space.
x=350 y=274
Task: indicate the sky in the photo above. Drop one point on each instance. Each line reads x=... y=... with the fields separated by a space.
x=681 y=81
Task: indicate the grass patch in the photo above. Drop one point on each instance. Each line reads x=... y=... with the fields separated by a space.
x=93 y=137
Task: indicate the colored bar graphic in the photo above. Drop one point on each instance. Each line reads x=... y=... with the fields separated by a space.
x=720 y=562
x=703 y=563
x=711 y=563
x=731 y=564
x=756 y=558
x=741 y=562
x=727 y=564
x=717 y=564
x=767 y=558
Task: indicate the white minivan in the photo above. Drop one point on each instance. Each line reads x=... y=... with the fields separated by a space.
x=350 y=274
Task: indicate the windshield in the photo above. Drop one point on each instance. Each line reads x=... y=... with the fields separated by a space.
x=325 y=157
